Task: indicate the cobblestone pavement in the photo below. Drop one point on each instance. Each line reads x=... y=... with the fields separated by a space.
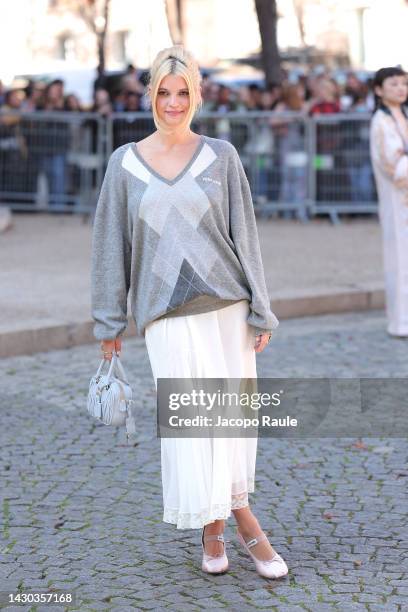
x=82 y=511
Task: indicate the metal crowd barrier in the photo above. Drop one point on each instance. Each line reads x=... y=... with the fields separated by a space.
x=51 y=161
x=297 y=166
x=341 y=177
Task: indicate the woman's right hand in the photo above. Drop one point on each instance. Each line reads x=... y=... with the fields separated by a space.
x=109 y=346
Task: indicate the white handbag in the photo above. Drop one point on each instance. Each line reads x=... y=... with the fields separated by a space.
x=110 y=397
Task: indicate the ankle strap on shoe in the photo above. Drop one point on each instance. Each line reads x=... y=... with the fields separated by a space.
x=210 y=538
x=256 y=540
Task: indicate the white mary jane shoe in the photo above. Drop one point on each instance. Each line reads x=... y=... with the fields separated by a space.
x=272 y=568
x=213 y=564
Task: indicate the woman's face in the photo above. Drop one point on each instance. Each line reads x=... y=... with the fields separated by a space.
x=326 y=91
x=394 y=90
x=173 y=99
x=14 y=100
x=54 y=92
x=267 y=99
x=101 y=97
x=132 y=102
x=73 y=102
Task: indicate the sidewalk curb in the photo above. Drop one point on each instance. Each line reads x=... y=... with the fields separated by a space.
x=31 y=341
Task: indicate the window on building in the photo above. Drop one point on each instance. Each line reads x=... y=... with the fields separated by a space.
x=65 y=47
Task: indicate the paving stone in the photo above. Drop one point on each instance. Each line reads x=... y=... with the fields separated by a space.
x=345 y=588
x=370 y=598
x=389 y=607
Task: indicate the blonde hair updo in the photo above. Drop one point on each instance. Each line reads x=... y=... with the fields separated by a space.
x=175 y=60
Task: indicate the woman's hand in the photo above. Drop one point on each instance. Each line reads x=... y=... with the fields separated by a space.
x=261 y=341
x=109 y=346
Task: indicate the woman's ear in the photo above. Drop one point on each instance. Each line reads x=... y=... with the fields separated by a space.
x=378 y=91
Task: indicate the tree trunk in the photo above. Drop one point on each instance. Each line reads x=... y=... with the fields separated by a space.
x=298 y=6
x=174 y=14
x=101 y=40
x=267 y=19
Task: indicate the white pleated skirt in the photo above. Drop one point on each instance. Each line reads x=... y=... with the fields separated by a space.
x=203 y=479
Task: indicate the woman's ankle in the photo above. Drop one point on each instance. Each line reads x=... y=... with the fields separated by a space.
x=216 y=527
x=249 y=527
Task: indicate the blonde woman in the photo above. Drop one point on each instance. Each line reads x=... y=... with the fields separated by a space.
x=389 y=156
x=175 y=225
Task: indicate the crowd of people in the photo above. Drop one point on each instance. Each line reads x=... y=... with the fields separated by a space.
x=312 y=94
x=275 y=153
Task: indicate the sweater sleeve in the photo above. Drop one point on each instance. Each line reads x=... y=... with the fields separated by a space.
x=111 y=255
x=244 y=234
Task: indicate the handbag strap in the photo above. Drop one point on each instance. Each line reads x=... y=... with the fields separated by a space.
x=98 y=373
x=115 y=366
x=121 y=370
x=112 y=366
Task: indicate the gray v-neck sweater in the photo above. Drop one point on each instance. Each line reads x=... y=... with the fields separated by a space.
x=181 y=246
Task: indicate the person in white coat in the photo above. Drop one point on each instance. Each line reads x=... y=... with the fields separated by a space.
x=389 y=157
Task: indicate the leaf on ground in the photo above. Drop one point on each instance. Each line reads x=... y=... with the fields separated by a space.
x=360 y=444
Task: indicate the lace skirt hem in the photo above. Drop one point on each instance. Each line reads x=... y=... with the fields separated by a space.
x=186 y=520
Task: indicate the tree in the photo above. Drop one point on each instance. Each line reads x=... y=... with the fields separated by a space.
x=95 y=13
x=299 y=8
x=267 y=19
x=175 y=20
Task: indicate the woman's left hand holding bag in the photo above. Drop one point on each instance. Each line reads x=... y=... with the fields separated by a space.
x=110 y=346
